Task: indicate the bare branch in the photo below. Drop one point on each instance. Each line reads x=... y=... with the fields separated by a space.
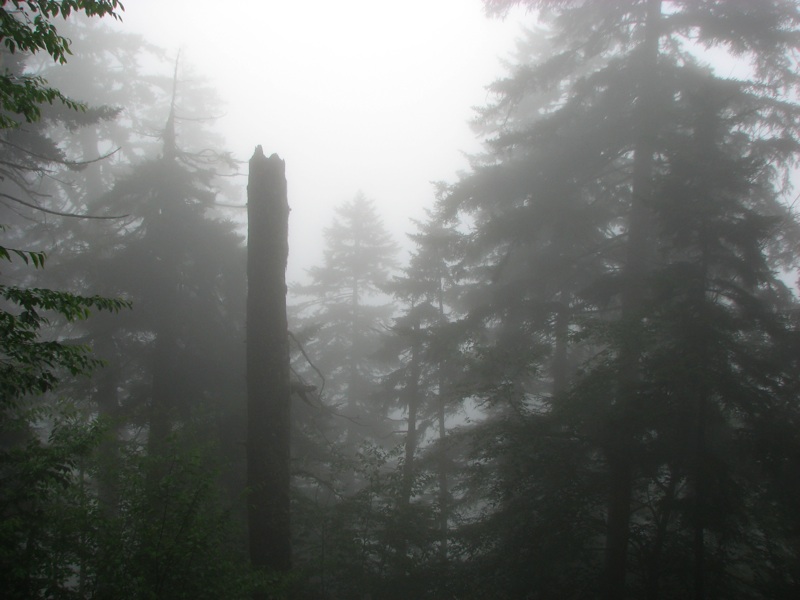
x=56 y=212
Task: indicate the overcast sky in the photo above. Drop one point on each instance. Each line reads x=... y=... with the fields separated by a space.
x=355 y=95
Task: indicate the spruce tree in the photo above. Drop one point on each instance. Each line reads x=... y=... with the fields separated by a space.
x=347 y=308
x=342 y=430
x=627 y=216
x=419 y=389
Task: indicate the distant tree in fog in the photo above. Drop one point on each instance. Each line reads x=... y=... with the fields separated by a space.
x=425 y=353
x=340 y=316
x=346 y=306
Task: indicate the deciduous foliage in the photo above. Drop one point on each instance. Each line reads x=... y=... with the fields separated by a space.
x=36 y=550
x=40 y=549
x=27 y=26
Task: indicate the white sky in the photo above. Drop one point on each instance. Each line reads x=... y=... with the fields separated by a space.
x=355 y=95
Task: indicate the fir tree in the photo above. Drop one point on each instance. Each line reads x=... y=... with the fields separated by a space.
x=337 y=447
x=597 y=248
x=347 y=307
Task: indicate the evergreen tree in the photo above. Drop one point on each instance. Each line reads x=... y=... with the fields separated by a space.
x=174 y=363
x=337 y=456
x=421 y=387
x=347 y=308
x=584 y=256
x=173 y=391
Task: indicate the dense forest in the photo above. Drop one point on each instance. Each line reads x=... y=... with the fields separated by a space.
x=578 y=377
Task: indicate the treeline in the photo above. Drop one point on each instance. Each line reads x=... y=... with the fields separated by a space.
x=588 y=386
x=582 y=383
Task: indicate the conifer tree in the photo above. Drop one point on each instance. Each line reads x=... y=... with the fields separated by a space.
x=342 y=432
x=347 y=307
x=597 y=247
x=424 y=381
x=417 y=390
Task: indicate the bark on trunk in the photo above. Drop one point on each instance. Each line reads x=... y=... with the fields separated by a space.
x=268 y=384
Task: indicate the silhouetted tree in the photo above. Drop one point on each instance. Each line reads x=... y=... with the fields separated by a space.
x=583 y=252
x=421 y=388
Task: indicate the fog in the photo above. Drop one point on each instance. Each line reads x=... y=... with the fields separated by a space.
x=540 y=336
x=356 y=95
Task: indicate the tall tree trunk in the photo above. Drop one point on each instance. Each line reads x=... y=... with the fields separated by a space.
x=268 y=384
x=166 y=278
x=706 y=134
x=163 y=394
x=662 y=518
x=411 y=392
x=444 y=492
x=620 y=446
x=165 y=388
x=412 y=401
x=108 y=449
x=353 y=385
x=699 y=483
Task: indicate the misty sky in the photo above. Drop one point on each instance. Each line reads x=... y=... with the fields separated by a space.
x=353 y=94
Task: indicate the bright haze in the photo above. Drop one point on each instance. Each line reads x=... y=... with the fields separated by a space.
x=353 y=94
